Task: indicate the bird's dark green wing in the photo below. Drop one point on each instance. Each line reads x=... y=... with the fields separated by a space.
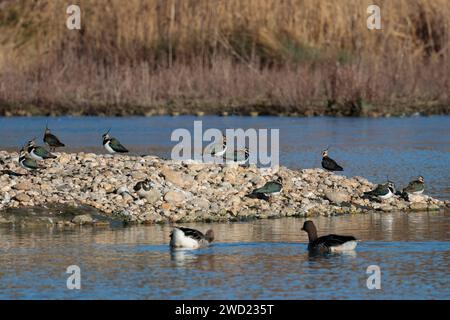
x=380 y=190
x=414 y=186
x=117 y=146
x=269 y=187
x=30 y=163
x=42 y=152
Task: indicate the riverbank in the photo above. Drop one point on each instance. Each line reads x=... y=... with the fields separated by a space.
x=348 y=109
x=234 y=57
x=186 y=192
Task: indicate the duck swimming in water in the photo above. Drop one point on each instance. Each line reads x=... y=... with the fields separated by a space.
x=187 y=238
x=329 y=243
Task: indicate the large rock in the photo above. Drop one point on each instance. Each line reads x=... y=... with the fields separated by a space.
x=23 y=197
x=337 y=196
x=23 y=186
x=176 y=178
x=64 y=158
x=153 y=195
x=82 y=219
x=201 y=203
x=419 y=206
x=174 y=197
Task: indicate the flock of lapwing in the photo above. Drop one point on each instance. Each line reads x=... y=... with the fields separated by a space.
x=182 y=237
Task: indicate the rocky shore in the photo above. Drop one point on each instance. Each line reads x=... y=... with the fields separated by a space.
x=182 y=191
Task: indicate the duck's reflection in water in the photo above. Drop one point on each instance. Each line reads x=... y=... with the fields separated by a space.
x=201 y=259
x=317 y=256
x=183 y=257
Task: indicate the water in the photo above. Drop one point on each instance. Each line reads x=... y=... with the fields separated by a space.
x=401 y=148
x=264 y=259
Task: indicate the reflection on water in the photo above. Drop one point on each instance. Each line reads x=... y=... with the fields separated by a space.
x=253 y=260
x=402 y=148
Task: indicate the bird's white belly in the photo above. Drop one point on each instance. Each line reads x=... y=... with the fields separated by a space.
x=35 y=156
x=347 y=246
x=387 y=196
x=417 y=192
x=220 y=153
x=107 y=147
x=179 y=240
x=277 y=193
x=142 y=193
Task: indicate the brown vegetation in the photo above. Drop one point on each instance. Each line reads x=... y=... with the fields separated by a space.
x=302 y=57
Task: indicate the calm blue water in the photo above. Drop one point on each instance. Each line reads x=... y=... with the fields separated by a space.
x=255 y=260
x=401 y=148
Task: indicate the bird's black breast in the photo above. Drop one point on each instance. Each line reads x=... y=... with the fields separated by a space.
x=330 y=164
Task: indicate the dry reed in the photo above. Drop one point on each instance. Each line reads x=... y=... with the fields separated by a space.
x=302 y=57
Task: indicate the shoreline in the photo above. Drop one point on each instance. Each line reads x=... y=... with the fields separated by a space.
x=186 y=191
x=27 y=110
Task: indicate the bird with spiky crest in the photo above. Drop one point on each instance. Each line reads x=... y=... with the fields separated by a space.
x=112 y=145
x=328 y=163
x=270 y=189
x=26 y=162
x=415 y=187
x=382 y=191
x=51 y=140
x=38 y=152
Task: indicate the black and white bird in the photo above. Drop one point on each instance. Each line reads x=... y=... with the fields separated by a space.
x=38 y=152
x=239 y=157
x=271 y=188
x=112 y=145
x=382 y=191
x=51 y=140
x=328 y=163
x=329 y=243
x=26 y=162
x=219 y=149
x=187 y=238
x=142 y=188
x=415 y=187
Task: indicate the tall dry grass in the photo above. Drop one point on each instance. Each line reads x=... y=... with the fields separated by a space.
x=270 y=56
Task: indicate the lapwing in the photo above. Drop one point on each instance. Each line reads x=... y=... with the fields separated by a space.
x=271 y=188
x=51 y=140
x=11 y=173
x=187 y=238
x=237 y=156
x=329 y=243
x=219 y=149
x=142 y=188
x=328 y=163
x=382 y=191
x=38 y=152
x=413 y=188
x=27 y=162
x=112 y=144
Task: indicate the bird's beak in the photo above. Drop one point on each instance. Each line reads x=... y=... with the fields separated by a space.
x=108 y=131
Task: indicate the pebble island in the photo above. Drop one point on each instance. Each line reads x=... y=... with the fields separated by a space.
x=186 y=191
